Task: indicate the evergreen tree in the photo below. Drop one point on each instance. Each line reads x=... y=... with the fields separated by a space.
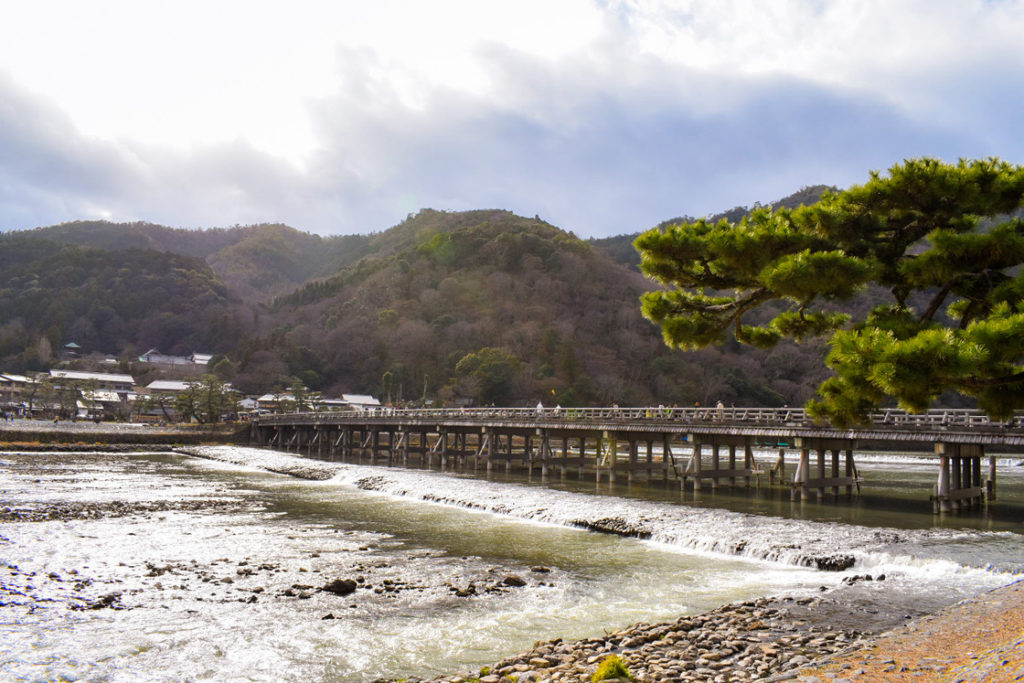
x=932 y=248
x=206 y=399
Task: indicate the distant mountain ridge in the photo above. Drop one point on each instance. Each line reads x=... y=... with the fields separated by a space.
x=477 y=305
x=257 y=261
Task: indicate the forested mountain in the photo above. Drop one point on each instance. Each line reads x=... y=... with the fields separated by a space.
x=484 y=305
x=53 y=293
x=255 y=261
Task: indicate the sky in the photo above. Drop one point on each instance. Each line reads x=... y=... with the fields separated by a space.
x=602 y=117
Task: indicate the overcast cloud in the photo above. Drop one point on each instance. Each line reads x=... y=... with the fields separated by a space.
x=602 y=117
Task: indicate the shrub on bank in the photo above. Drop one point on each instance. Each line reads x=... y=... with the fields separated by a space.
x=612 y=668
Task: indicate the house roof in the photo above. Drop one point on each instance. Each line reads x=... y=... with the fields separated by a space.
x=17 y=379
x=360 y=400
x=103 y=396
x=98 y=376
x=276 y=397
x=167 y=385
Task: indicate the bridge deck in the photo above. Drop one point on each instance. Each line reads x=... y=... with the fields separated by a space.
x=894 y=426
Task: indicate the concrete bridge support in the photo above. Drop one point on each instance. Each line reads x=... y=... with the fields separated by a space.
x=960 y=485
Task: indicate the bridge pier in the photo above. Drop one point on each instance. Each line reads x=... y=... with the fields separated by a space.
x=717 y=473
x=803 y=481
x=990 y=486
x=778 y=471
x=960 y=485
x=545 y=452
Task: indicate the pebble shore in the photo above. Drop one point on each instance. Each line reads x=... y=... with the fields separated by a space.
x=759 y=640
x=786 y=639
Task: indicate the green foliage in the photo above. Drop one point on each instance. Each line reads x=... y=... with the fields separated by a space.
x=955 y=318
x=621 y=249
x=491 y=372
x=483 y=305
x=611 y=668
x=256 y=261
x=206 y=399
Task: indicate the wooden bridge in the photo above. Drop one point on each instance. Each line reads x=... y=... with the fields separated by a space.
x=699 y=446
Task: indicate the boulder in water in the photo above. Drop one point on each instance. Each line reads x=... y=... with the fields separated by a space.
x=833 y=563
x=340 y=587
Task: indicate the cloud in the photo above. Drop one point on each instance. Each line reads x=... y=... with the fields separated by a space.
x=600 y=162
x=656 y=110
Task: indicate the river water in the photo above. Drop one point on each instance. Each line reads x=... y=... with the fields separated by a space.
x=168 y=567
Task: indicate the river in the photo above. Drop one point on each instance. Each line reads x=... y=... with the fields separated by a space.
x=168 y=567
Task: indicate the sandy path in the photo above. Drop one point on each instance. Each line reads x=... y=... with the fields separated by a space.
x=976 y=640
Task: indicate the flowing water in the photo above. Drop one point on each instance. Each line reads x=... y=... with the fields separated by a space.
x=163 y=566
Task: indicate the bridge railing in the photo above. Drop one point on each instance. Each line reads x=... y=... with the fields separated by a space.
x=939 y=418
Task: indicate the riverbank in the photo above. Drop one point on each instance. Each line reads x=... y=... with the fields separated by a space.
x=981 y=639
x=28 y=435
x=780 y=639
x=750 y=641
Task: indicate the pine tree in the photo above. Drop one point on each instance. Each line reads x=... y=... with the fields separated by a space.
x=934 y=251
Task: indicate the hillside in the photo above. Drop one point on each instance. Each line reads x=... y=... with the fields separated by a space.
x=484 y=305
x=51 y=294
x=500 y=308
x=256 y=261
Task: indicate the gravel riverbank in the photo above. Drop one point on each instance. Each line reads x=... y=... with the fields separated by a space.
x=783 y=639
x=750 y=641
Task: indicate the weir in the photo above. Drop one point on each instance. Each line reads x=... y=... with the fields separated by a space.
x=689 y=446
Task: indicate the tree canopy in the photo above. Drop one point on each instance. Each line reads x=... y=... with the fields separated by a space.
x=915 y=277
